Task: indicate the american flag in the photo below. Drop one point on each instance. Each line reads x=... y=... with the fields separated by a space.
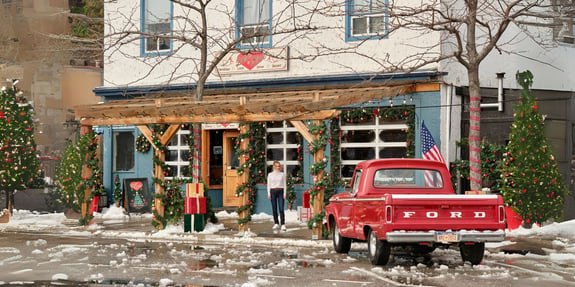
x=429 y=151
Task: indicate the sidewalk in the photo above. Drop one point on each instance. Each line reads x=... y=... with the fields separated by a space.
x=257 y=227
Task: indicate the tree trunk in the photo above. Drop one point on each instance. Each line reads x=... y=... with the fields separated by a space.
x=474 y=129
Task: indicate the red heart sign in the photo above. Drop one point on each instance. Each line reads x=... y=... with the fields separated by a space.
x=250 y=60
x=136 y=185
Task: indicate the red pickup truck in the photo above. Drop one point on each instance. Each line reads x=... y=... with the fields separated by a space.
x=410 y=203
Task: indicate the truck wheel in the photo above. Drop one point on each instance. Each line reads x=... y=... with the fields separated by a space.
x=341 y=244
x=472 y=252
x=378 y=251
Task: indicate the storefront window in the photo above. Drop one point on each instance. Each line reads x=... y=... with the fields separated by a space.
x=177 y=157
x=371 y=139
x=282 y=145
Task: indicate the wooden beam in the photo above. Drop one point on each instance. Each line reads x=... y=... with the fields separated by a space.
x=303 y=129
x=145 y=130
x=169 y=133
x=321 y=115
x=206 y=118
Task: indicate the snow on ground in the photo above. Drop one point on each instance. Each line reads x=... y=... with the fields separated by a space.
x=561 y=235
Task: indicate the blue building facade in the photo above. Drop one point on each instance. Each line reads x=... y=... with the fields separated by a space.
x=363 y=137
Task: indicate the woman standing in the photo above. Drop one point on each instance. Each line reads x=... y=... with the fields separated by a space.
x=277 y=194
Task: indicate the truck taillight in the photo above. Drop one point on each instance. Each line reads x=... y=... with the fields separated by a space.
x=388 y=213
x=501 y=214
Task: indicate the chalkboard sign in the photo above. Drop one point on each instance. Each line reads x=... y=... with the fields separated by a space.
x=137 y=195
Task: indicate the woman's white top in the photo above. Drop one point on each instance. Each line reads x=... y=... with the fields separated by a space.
x=276 y=179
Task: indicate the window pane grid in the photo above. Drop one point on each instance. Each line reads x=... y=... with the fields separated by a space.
x=357 y=144
x=278 y=146
x=157 y=17
x=178 y=150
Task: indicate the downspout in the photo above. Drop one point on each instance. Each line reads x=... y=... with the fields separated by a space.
x=449 y=91
x=499 y=104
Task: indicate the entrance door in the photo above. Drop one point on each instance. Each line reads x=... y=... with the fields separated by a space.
x=230 y=165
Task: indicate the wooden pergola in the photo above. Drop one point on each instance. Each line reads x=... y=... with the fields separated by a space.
x=175 y=110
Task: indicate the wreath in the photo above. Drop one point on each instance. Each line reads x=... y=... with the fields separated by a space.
x=142 y=144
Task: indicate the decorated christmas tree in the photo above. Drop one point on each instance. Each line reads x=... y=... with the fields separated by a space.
x=19 y=164
x=531 y=182
x=71 y=185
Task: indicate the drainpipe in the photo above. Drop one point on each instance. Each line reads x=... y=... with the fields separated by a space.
x=499 y=104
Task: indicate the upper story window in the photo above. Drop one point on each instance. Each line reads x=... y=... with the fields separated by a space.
x=156 y=24
x=254 y=23
x=365 y=19
x=564 y=24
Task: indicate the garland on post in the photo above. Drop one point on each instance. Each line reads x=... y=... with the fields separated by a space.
x=173 y=202
x=159 y=219
x=71 y=187
x=254 y=164
x=320 y=131
x=334 y=156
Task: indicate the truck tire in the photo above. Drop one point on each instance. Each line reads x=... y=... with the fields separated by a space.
x=341 y=244
x=378 y=251
x=472 y=252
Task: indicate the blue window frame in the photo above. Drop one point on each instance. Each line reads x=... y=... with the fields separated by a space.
x=254 y=23
x=366 y=19
x=156 y=19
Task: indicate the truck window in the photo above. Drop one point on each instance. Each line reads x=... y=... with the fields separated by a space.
x=407 y=178
x=355 y=183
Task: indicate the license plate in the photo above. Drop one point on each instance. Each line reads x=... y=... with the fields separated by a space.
x=446 y=236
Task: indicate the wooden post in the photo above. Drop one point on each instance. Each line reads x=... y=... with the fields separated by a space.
x=244 y=145
x=158 y=171
x=318 y=199
x=158 y=188
x=86 y=173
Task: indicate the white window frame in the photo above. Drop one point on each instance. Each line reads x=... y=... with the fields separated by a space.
x=368 y=12
x=377 y=127
x=179 y=147
x=145 y=39
x=261 y=25
x=284 y=130
x=369 y=18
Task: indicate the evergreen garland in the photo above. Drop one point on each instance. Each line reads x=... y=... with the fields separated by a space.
x=254 y=164
x=320 y=131
x=173 y=201
x=531 y=182
x=491 y=162
x=71 y=186
x=334 y=156
x=142 y=144
x=159 y=220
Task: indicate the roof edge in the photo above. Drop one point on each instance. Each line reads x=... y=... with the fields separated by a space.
x=327 y=81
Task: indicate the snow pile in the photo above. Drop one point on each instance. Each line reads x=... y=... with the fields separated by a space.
x=564 y=229
x=113 y=212
x=28 y=219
